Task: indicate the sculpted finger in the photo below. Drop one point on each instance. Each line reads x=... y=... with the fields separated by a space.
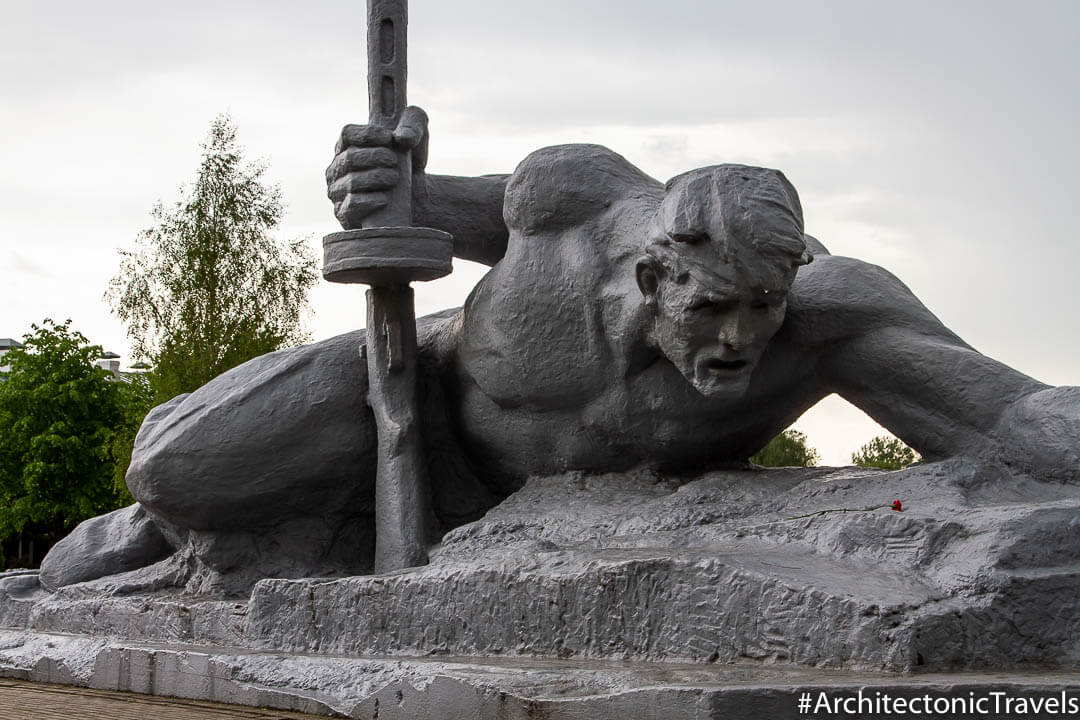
x=360 y=159
x=362 y=182
x=363 y=136
x=364 y=158
x=355 y=207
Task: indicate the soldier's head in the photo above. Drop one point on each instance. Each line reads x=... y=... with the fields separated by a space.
x=722 y=254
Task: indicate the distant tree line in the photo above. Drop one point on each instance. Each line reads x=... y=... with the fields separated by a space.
x=886 y=453
x=791 y=449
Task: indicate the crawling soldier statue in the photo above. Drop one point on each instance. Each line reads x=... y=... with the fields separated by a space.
x=623 y=323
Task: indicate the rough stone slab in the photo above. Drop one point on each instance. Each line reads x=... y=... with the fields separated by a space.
x=739 y=602
x=149 y=619
x=809 y=566
x=18 y=591
x=481 y=688
x=804 y=566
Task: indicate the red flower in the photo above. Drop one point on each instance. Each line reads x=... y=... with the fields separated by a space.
x=897 y=506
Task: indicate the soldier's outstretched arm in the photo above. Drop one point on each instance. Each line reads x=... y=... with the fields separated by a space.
x=470 y=208
x=881 y=349
x=365 y=167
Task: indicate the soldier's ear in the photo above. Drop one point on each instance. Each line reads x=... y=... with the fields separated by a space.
x=648 y=279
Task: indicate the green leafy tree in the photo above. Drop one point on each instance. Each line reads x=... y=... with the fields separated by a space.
x=209 y=286
x=58 y=417
x=885 y=452
x=788 y=449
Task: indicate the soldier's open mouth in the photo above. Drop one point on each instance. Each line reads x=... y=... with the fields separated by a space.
x=716 y=365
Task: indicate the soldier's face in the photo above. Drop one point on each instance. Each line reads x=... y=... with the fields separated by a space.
x=733 y=235
x=715 y=330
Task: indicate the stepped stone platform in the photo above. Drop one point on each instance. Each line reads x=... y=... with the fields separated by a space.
x=48 y=701
x=497 y=688
x=628 y=595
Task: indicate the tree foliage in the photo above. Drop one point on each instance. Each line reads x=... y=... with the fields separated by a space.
x=208 y=285
x=788 y=449
x=885 y=452
x=59 y=414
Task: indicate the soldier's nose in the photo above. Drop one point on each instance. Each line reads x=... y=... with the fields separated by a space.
x=732 y=336
x=733 y=341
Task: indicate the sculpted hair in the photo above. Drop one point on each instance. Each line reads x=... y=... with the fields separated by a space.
x=736 y=215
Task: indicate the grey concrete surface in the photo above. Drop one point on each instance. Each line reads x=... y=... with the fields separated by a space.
x=480 y=688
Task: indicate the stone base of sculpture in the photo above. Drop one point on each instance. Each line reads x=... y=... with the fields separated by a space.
x=503 y=689
x=631 y=585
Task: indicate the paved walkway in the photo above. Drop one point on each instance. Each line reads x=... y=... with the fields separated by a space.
x=21 y=700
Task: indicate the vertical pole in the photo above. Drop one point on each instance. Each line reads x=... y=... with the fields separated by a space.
x=387 y=62
x=387 y=253
x=400 y=487
x=400 y=479
x=387 y=73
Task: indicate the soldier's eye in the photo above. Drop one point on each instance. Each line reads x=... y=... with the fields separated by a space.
x=691 y=238
x=712 y=306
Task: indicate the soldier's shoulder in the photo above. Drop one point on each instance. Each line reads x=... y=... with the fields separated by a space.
x=837 y=295
x=565 y=185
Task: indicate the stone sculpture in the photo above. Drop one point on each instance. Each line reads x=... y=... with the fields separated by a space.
x=624 y=324
x=633 y=344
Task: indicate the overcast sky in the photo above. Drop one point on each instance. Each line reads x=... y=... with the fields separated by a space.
x=938 y=139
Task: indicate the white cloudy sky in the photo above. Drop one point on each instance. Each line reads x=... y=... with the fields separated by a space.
x=935 y=138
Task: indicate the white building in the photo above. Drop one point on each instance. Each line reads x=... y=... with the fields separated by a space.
x=7 y=344
x=109 y=361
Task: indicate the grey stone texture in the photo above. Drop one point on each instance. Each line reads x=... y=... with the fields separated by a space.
x=785 y=566
x=477 y=688
x=122 y=540
x=796 y=567
x=620 y=595
x=480 y=688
